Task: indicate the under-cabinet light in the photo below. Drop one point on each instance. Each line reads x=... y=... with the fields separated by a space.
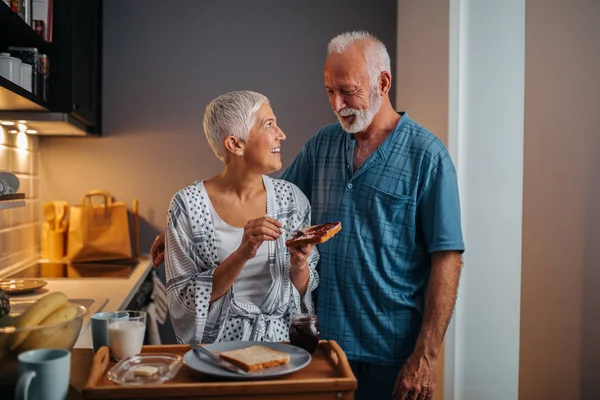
x=22 y=141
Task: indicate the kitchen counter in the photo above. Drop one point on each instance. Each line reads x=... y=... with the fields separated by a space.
x=109 y=294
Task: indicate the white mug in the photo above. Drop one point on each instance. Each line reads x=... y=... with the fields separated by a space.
x=10 y=68
x=43 y=375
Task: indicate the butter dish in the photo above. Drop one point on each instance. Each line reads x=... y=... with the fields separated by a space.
x=146 y=368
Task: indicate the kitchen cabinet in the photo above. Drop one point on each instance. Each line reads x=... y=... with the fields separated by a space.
x=73 y=101
x=77 y=45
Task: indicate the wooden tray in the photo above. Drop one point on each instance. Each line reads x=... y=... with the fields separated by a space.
x=328 y=376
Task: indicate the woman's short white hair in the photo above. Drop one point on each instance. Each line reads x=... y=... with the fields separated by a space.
x=378 y=59
x=231 y=114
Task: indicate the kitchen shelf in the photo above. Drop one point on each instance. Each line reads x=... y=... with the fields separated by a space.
x=14 y=97
x=16 y=30
x=12 y=200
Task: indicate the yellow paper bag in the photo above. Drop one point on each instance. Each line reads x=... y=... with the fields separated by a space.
x=98 y=231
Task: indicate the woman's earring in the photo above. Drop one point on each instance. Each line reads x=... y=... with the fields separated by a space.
x=239 y=152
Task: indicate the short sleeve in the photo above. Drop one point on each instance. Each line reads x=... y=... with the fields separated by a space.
x=439 y=208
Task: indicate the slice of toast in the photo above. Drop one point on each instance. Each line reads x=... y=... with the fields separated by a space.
x=256 y=358
x=314 y=234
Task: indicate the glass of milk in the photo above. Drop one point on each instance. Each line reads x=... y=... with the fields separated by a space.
x=126 y=334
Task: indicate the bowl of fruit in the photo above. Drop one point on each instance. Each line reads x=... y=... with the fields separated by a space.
x=48 y=322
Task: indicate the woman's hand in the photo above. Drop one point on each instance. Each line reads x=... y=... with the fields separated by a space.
x=299 y=255
x=299 y=271
x=256 y=232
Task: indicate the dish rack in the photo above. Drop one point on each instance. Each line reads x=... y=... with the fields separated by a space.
x=12 y=200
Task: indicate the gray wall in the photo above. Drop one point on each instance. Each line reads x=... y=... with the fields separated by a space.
x=164 y=61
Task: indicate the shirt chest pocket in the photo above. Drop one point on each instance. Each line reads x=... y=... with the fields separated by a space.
x=386 y=217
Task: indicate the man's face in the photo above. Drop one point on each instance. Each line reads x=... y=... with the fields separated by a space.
x=351 y=96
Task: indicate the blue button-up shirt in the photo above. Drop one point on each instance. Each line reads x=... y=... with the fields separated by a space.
x=401 y=205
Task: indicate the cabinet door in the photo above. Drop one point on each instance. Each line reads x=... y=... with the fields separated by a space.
x=86 y=53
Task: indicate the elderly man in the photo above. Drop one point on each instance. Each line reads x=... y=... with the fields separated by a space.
x=389 y=279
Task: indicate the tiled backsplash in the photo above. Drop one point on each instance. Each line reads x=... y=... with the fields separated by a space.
x=20 y=227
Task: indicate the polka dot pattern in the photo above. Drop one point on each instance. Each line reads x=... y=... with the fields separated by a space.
x=191 y=241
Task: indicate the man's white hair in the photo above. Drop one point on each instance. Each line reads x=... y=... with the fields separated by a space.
x=378 y=59
x=231 y=114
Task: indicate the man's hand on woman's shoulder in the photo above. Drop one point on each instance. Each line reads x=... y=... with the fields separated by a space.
x=157 y=251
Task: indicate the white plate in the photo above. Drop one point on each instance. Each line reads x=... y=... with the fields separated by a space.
x=299 y=358
x=14 y=286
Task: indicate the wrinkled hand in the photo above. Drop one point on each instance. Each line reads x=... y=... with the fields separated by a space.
x=416 y=380
x=299 y=255
x=157 y=251
x=256 y=232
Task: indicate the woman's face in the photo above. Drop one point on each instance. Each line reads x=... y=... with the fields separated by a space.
x=263 y=147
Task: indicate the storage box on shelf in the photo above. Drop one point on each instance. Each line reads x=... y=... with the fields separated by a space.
x=15 y=29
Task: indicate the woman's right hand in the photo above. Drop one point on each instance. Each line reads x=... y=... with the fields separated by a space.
x=256 y=232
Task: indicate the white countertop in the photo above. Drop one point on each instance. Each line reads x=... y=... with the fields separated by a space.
x=114 y=293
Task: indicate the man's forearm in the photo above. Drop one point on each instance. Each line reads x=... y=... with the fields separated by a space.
x=439 y=302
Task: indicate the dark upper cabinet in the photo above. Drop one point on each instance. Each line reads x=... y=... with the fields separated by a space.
x=76 y=68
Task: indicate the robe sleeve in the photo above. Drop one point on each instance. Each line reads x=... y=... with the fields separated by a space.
x=190 y=279
x=306 y=303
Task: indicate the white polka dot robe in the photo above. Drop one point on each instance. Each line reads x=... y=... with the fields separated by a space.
x=191 y=259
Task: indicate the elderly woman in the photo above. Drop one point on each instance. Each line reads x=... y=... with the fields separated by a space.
x=229 y=274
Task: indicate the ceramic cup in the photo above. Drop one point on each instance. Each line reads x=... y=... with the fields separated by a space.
x=26 y=76
x=43 y=374
x=10 y=68
x=99 y=325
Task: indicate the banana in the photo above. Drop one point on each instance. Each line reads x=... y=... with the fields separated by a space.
x=64 y=338
x=55 y=337
x=35 y=314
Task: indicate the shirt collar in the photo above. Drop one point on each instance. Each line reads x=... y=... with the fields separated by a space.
x=385 y=146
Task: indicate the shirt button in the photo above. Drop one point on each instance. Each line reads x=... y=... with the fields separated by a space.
x=350 y=186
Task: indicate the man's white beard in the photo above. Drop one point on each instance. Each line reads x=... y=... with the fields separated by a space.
x=362 y=118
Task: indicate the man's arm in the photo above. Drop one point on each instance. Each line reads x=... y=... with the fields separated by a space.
x=418 y=373
x=157 y=251
x=439 y=302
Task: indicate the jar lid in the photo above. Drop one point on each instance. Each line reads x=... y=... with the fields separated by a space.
x=8 y=57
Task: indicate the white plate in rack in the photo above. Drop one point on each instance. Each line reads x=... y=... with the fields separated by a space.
x=15 y=286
